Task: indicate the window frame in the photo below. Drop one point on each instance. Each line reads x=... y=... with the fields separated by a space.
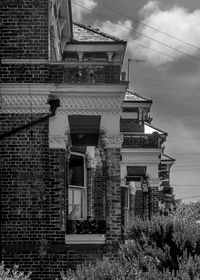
x=83 y=188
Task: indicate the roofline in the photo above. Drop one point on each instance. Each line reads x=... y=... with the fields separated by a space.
x=138 y=101
x=147 y=100
x=162 y=131
x=169 y=158
x=116 y=40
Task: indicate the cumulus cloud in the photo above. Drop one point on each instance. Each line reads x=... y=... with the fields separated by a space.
x=78 y=10
x=121 y=29
x=176 y=21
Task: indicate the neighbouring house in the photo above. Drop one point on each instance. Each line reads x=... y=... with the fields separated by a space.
x=79 y=156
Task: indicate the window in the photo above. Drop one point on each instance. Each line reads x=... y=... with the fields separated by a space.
x=77 y=191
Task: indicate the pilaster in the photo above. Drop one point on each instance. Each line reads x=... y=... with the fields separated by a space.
x=113 y=195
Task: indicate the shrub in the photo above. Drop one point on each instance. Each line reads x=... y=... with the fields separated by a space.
x=12 y=274
x=163 y=248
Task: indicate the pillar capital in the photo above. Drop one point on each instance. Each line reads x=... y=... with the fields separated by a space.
x=58 y=141
x=154 y=182
x=112 y=141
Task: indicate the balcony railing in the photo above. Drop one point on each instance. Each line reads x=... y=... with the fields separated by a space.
x=146 y=141
x=92 y=74
x=85 y=227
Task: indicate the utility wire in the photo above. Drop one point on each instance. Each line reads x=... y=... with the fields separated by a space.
x=190 y=165
x=147 y=25
x=139 y=33
x=152 y=83
x=193 y=196
x=188 y=185
x=182 y=170
x=140 y=45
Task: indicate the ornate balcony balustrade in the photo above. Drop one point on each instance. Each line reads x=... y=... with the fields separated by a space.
x=85 y=227
x=92 y=74
x=164 y=175
x=140 y=141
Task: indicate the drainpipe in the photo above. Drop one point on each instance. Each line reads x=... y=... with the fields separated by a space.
x=54 y=103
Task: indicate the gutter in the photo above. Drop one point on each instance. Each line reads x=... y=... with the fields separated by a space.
x=54 y=103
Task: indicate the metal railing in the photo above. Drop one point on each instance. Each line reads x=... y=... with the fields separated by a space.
x=85 y=227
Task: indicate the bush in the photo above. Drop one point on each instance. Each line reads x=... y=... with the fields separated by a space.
x=12 y=274
x=165 y=248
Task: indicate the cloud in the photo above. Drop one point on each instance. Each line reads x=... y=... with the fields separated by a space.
x=121 y=29
x=176 y=21
x=78 y=10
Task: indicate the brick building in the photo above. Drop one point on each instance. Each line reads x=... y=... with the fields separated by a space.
x=79 y=155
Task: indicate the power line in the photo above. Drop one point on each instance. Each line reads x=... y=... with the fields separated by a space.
x=182 y=170
x=193 y=196
x=147 y=25
x=161 y=87
x=184 y=165
x=143 y=46
x=188 y=185
x=166 y=45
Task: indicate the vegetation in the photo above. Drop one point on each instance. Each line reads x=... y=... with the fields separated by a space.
x=163 y=248
x=12 y=274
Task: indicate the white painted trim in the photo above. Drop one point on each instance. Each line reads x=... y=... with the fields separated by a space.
x=42 y=88
x=88 y=47
x=85 y=238
x=24 y=61
x=129 y=115
x=141 y=151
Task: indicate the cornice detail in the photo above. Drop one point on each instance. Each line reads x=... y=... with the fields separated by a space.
x=25 y=103
x=91 y=103
x=135 y=159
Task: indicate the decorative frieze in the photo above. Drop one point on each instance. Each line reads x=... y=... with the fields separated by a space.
x=24 y=104
x=139 y=159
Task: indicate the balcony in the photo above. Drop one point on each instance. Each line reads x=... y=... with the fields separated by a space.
x=92 y=74
x=141 y=141
x=85 y=232
x=85 y=227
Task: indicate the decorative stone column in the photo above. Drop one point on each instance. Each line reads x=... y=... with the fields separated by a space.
x=91 y=165
x=153 y=185
x=112 y=145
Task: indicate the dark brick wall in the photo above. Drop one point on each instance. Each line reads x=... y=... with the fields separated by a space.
x=24 y=29
x=33 y=198
x=113 y=196
x=33 y=202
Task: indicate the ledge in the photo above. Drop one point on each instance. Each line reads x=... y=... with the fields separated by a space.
x=85 y=239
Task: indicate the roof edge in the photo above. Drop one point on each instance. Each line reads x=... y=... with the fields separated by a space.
x=162 y=131
x=146 y=99
x=117 y=40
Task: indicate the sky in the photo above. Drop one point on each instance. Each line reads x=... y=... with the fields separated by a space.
x=169 y=73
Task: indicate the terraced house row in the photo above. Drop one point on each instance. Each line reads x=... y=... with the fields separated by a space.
x=79 y=155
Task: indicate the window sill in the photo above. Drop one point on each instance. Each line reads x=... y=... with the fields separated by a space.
x=85 y=238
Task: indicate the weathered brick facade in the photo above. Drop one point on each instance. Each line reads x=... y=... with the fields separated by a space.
x=38 y=230
x=24 y=32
